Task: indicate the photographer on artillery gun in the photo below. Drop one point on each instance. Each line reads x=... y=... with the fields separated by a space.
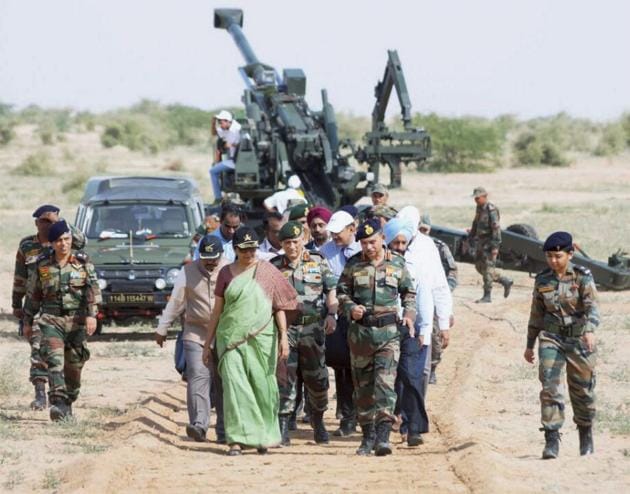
x=228 y=132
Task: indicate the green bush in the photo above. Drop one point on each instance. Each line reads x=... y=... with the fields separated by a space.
x=47 y=132
x=463 y=144
x=612 y=140
x=534 y=148
x=7 y=132
x=625 y=123
x=34 y=165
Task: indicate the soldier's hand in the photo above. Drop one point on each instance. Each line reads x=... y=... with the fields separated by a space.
x=27 y=331
x=589 y=341
x=445 y=336
x=283 y=352
x=90 y=325
x=160 y=339
x=529 y=355
x=357 y=312
x=409 y=323
x=330 y=324
x=18 y=313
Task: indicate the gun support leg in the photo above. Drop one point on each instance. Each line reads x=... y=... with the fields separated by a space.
x=395 y=175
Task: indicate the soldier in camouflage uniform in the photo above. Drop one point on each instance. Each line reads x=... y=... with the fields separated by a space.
x=486 y=236
x=63 y=286
x=450 y=270
x=563 y=318
x=309 y=274
x=369 y=290
x=30 y=248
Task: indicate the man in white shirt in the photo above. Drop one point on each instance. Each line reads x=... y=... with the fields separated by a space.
x=271 y=246
x=337 y=252
x=229 y=132
x=284 y=199
x=424 y=264
x=193 y=296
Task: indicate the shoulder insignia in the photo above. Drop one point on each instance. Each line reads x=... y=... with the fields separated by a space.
x=82 y=257
x=582 y=270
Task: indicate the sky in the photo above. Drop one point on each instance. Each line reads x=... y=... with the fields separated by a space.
x=476 y=57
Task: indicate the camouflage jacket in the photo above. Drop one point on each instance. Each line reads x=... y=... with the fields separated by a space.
x=486 y=229
x=28 y=252
x=563 y=302
x=311 y=277
x=379 y=287
x=52 y=288
x=448 y=263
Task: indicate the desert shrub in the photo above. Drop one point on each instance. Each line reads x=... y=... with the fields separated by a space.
x=534 y=148
x=34 y=165
x=350 y=126
x=463 y=144
x=136 y=133
x=85 y=121
x=612 y=140
x=625 y=123
x=7 y=132
x=47 y=132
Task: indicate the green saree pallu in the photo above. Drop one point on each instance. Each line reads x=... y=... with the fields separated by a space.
x=247 y=346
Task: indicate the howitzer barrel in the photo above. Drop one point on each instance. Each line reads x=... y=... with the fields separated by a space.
x=232 y=21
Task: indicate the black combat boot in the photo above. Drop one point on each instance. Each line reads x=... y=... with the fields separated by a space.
x=414 y=440
x=347 y=427
x=552 y=445
x=39 y=403
x=320 y=433
x=285 y=440
x=367 y=443
x=507 y=286
x=293 y=421
x=60 y=409
x=382 y=447
x=486 y=299
x=432 y=376
x=586 y=440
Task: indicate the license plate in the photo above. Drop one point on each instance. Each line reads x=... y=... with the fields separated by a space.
x=132 y=298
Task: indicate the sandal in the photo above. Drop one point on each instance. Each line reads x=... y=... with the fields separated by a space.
x=235 y=450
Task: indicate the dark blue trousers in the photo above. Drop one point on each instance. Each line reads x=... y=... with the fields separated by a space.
x=409 y=379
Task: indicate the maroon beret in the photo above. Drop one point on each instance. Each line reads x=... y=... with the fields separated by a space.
x=318 y=212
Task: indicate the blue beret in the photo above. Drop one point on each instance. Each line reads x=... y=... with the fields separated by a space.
x=210 y=247
x=46 y=208
x=558 y=241
x=350 y=209
x=57 y=230
x=368 y=228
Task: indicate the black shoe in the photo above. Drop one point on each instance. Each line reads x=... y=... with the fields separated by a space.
x=39 y=403
x=196 y=433
x=507 y=286
x=293 y=422
x=262 y=451
x=320 y=434
x=552 y=445
x=285 y=440
x=414 y=440
x=367 y=443
x=486 y=299
x=306 y=418
x=433 y=377
x=382 y=446
x=346 y=428
x=586 y=440
x=60 y=410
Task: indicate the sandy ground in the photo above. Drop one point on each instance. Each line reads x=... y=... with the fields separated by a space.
x=130 y=435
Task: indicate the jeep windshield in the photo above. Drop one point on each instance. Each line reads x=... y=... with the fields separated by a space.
x=142 y=220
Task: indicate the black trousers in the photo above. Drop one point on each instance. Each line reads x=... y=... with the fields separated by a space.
x=338 y=357
x=409 y=386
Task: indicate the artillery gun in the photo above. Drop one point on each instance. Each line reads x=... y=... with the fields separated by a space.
x=281 y=135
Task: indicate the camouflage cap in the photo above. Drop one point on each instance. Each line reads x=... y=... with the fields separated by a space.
x=210 y=247
x=298 y=211
x=383 y=211
x=379 y=189
x=290 y=230
x=479 y=192
x=368 y=228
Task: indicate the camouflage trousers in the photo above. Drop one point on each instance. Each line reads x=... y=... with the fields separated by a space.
x=306 y=351
x=554 y=353
x=38 y=371
x=64 y=349
x=436 y=344
x=374 y=354
x=486 y=266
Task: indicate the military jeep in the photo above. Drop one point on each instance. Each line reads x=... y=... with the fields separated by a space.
x=139 y=231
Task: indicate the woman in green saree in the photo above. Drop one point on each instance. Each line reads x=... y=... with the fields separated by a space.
x=249 y=321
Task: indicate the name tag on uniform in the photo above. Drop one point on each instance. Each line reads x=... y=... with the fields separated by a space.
x=546 y=289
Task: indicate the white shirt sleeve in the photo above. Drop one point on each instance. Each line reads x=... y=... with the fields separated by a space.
x=175 y=306
x=424 y=311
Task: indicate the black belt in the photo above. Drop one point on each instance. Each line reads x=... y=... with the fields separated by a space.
x=59 y=312
x=307 y=319
x=571 y=330
x=378 y=321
